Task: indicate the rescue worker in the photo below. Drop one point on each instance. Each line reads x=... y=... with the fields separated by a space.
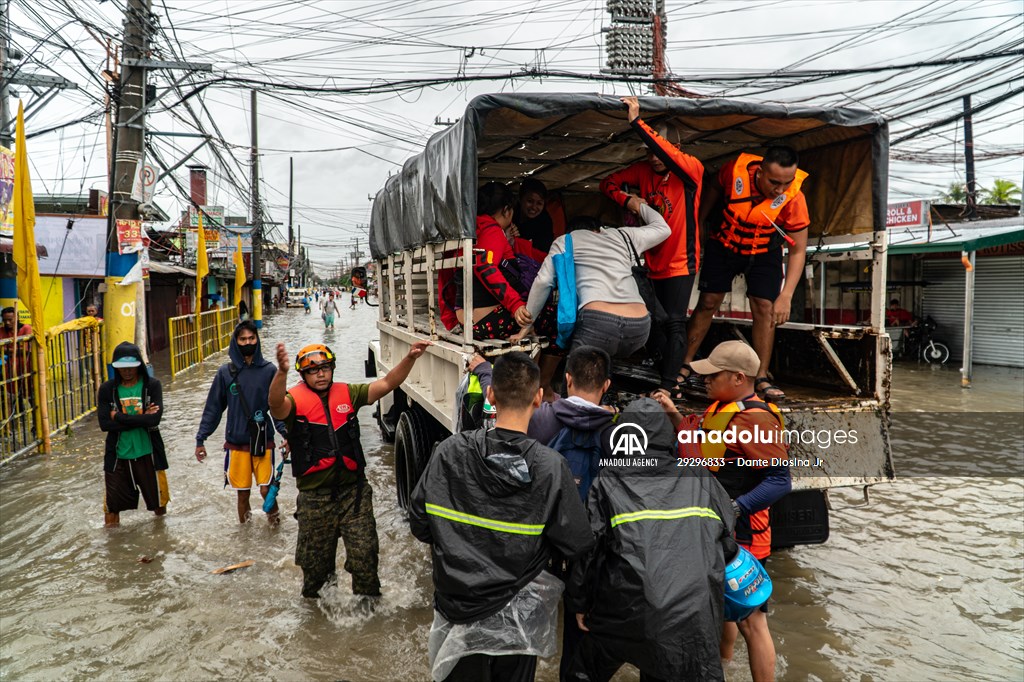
x=651 y=592
x=762 y=202
x=335 y=500
x=129 y=407
x=240 y=387
x=729 y=376
x=670 y=181
x=493 y=505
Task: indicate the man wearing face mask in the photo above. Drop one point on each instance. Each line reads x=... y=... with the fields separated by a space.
x=241 y=386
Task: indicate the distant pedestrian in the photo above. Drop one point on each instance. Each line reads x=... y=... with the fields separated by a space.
x=92 y=310
x=129 y=408
x=241 y=387
x=306 y=302
x=243 y=311
x=494 y=505
x=335 y=499
x=329 y=307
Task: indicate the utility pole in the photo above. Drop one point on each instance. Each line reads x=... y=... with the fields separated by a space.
x=291 y=234
x=120 y=303
x=257 y=220
x=972 y=199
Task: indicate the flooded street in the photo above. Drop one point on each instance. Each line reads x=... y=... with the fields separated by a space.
x=924 y=583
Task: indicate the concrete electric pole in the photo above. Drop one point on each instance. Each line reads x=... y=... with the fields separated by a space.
x=257 y=220
x=120 y=302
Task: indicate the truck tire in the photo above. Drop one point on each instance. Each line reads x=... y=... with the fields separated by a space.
x=413 y=444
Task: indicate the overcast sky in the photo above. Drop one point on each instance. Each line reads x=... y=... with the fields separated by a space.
x=354 y=43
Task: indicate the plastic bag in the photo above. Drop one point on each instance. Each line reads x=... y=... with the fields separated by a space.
x=528 y=625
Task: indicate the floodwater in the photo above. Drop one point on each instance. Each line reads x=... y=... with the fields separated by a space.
x=923 y=583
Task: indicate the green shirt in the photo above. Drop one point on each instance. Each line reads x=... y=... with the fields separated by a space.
x=133 y=443
x=359 y=394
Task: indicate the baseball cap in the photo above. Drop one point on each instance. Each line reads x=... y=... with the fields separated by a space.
x=126 y=361
x=729 y=356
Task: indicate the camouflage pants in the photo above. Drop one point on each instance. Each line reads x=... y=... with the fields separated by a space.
x=322 y=520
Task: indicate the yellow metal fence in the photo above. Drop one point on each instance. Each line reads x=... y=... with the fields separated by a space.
x=195 y=338
x=74 y=370
x=19 y=428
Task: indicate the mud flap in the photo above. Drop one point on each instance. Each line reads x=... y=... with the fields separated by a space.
x=800 y=518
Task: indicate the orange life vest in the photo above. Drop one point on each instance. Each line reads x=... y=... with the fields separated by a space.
x=754 y=532
x=747 y=226
x=316 y=445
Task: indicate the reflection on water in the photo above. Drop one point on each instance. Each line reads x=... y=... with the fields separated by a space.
x=923 y=583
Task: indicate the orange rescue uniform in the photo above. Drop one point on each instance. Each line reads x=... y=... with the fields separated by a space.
x=675 y=194
x=747 y=220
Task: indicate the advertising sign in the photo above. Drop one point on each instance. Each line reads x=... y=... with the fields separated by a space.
x=6 y=192
x=129 y=236
x=908 y=214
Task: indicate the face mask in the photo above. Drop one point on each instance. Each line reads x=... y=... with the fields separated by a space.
x=248 y=349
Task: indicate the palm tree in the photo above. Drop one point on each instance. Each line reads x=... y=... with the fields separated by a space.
x=956 y=194
x=1003 y=192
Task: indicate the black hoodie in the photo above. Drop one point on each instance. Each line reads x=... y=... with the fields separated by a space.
x=653 y=586
x=492 y=505
x=106 y=401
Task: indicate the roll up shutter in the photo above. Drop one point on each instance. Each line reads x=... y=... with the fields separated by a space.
x=944 y=302
x=999 y=311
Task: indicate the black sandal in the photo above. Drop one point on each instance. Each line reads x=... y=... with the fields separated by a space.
x=780 y=395
x=690 y=385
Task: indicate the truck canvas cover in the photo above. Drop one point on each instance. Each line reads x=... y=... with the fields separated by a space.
x=571 y=141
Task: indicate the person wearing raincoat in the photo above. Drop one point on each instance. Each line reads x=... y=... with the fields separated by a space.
x=650 y=592
x=494 y=504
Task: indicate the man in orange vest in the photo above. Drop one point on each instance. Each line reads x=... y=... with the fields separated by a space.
x=728 y=374
x=764 y=208
x=335 y=500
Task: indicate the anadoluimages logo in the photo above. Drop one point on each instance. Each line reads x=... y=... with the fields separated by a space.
x=629 y=440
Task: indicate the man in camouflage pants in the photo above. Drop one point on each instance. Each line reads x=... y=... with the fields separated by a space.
x=335 y=499
x=322 y=520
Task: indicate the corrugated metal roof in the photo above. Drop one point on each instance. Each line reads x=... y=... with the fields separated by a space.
x=954 y=237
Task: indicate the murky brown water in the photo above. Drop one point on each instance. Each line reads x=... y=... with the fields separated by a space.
x=925 y=583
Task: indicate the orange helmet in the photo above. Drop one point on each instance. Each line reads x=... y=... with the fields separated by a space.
x=312 y=356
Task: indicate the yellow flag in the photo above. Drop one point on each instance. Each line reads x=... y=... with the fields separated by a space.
x=239 y=272
x=29 y=287
x=202 y=266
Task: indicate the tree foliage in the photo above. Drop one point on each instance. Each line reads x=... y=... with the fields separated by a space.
x=1002 y=192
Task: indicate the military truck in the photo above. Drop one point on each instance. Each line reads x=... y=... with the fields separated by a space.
x=423 y=221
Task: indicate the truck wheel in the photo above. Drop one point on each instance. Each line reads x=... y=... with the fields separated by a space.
x=412 y=450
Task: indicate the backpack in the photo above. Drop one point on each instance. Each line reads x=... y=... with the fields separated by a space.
x=582 y=450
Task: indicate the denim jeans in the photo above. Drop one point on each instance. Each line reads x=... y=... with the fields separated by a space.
x=619 y=336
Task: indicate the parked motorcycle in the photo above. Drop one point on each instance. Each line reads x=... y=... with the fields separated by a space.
x=919 y=342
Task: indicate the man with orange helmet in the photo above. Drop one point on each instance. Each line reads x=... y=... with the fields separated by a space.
x=335 y=500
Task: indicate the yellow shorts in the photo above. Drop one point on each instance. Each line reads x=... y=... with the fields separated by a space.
x=240 y=467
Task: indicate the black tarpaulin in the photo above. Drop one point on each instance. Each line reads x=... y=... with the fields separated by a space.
x=571 y=141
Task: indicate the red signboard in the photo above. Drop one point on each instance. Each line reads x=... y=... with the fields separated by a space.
x=129 y=236
x=908 y=214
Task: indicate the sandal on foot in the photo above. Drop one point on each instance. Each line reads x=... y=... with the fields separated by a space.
x=770 y=393
x=690 y=384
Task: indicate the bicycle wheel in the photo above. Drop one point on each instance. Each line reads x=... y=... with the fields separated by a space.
x=935 y=353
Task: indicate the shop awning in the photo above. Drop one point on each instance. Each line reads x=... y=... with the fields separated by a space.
x=955 y=238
